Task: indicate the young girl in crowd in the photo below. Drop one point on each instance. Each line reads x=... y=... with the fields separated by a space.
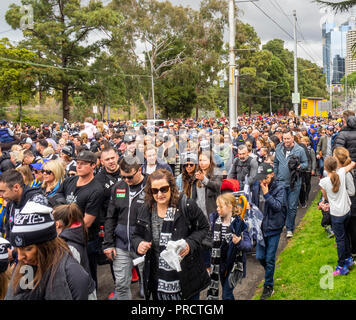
x=342 y=156
x=71 y=228
x=228 y=259
x=333 y=188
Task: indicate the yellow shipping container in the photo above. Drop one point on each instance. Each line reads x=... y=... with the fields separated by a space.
x=309 y=108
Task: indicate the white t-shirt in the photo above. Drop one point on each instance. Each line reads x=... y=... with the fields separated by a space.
x=339 y=202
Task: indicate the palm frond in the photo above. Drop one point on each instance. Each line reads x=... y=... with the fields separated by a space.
x=338 y=7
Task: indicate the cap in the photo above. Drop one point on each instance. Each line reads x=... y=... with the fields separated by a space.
x=87 y=156
x=26 y=140
x=263 y=170
x=129 y=138
x=33 y=225
x=4 y=256
x=231 y=185
x=243 y=129
x=190 y=157
x=313 y=126
x=205 y=144
x=3 y=122
x=67 y=150
x=38 y=165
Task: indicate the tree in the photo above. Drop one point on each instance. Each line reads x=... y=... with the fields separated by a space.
x=342 y=6
x=59 y=34
x=17 y=80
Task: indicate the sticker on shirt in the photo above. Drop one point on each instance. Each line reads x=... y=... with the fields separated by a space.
x=120 y=193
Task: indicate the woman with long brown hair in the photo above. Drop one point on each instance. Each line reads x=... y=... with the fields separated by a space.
x=46 y=269
x=186 y=179
x=169 y=217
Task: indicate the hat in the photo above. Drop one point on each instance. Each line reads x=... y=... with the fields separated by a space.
x=87 y=156
x=3 y=122
x=244 y=129
x=190 y=157
x=26 y=140
x=67 y=150
x=205 y=144
x=129 y=138
x=313 y=126
x=33 y=225
x=263 y=170
x=231 y=185
x=38 y=165
x=4 y=256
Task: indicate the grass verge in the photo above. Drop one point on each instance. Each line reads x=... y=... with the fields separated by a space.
x=304 y=268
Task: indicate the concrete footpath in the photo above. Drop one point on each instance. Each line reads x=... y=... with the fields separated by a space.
x=243 y=291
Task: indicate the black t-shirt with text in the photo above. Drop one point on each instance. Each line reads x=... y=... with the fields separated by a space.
x=89 y=198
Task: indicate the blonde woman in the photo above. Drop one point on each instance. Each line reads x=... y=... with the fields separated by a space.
x=53 y=175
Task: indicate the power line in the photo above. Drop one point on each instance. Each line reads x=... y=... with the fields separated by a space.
x=280 y=27
x=69 y=69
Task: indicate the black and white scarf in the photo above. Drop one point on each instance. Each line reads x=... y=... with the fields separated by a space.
x=168 y=279
x=236 y=272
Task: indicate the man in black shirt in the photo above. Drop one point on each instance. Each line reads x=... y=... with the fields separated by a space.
x=88 y=194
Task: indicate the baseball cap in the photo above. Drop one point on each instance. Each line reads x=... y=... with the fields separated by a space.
x=67 y=150
x=26 y=140
x=87 y=156
x=263 y=170
x=190 y=157
x=129 y=138
x=38 y=165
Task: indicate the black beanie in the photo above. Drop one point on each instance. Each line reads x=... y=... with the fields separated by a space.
x=4 y=256
x=33 y=225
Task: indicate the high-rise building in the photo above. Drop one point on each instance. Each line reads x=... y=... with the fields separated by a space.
x=335 y=50
x=350 y=63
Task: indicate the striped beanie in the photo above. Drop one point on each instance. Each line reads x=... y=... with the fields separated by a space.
x=4 y=256
x=33 y=225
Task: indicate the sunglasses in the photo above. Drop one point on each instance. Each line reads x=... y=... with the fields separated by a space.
x=71 y=174
x=47 y=172
x=189 y=165
x=162 y=190
x=129 y=177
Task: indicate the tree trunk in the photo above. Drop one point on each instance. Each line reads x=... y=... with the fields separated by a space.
x=65 y=106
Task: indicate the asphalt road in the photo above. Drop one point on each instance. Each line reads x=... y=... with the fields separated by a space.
x=243 y=291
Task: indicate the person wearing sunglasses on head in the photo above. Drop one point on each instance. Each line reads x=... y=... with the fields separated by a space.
x=186 y=179
x=127 y=196
x=167 y=215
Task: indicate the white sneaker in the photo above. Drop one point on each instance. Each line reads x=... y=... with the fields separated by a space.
x=289 y=234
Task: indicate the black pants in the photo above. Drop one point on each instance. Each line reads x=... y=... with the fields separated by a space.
x=93 y=252
x=326 y=220
x=305 y=188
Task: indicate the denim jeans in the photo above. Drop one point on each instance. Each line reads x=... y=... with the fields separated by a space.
x=341 y=237
x=292 y=203
x=267 y=257
x=321 y=166
x=227 y=291
x=122 y=265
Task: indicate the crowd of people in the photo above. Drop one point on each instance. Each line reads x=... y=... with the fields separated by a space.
x=179 y=204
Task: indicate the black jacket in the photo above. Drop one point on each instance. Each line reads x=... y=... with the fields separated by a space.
x=275 y=209
x=193 y=277
x=347 y=137
x=5 y=162
x=121 y=215
x=70 y=282
x=78 y=246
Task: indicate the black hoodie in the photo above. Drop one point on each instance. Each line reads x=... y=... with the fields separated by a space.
x=347 y=137
x=78 y=246
x=5 y=162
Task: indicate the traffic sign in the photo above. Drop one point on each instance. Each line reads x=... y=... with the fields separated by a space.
x=95 y=109
x=296 y=98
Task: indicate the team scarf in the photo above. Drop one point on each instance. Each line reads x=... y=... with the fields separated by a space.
x=168 y=280
x=217 y=261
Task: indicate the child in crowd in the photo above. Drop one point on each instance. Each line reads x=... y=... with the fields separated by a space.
x=333 y=188
x=231 y=242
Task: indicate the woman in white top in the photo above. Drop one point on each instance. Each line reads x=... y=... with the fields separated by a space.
x=333 y=188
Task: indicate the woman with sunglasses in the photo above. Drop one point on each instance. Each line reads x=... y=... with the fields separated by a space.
x=53 y=175
x=186 y=178
x=167 y=216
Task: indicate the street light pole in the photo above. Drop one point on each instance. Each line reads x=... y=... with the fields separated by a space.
x=295 y=62
x=232 y=66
